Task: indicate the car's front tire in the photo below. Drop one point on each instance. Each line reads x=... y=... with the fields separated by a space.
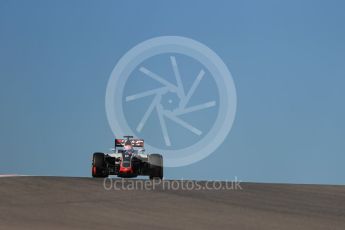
x=98 y=166
x=156 y=166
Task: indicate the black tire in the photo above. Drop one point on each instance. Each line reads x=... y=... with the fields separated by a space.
x=156 y=166
x=99 y=168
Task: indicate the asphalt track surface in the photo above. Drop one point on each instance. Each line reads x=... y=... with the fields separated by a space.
x=84 y=203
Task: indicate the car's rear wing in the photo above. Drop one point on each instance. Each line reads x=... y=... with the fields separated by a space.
x=135 y=142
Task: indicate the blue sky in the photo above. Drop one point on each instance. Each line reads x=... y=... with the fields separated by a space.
x=286 y=57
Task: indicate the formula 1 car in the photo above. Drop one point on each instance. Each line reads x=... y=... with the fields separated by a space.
x=127 y=163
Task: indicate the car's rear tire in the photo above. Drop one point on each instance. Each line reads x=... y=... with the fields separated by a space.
x=156 y=166
x=99 y=168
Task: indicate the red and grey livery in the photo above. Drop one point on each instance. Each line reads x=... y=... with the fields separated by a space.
x=128 y=163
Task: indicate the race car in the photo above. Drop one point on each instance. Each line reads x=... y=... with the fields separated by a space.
x=127 y=160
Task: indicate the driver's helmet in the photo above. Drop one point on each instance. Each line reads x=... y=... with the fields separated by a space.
x=128 y=145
